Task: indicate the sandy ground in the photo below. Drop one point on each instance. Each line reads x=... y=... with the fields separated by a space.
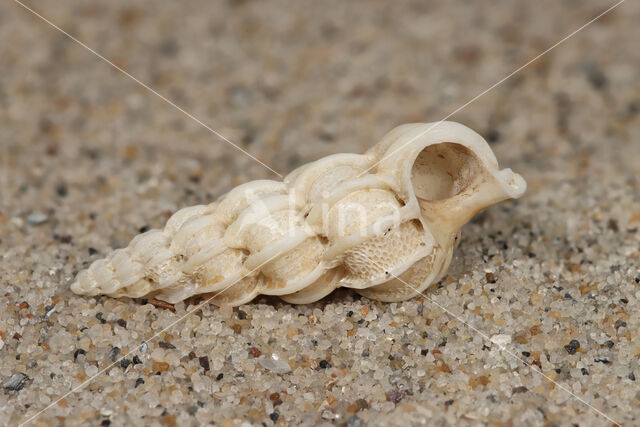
x=90 y=158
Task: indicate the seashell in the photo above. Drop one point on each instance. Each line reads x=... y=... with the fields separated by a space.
x=384 y=223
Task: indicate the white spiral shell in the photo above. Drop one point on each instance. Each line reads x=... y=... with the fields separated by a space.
x=384 y=223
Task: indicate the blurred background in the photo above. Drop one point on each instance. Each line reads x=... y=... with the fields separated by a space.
x=294 y=81
x=89 y=157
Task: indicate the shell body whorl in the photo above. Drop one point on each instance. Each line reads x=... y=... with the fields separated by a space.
x=383 y=223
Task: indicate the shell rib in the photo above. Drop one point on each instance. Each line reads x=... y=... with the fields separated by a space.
x=384 y=223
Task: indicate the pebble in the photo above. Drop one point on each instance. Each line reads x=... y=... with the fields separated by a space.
x=501 y=339
x=204 y=362
x=166 y=345
x=37 y=218
x=160 y=367
x=396 y=396
x=277 y=366
x=620 y=324
x=354 y=421
x=572 y=347
x=113 y=354
x=16 y=382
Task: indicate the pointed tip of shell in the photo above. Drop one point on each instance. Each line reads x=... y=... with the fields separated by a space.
x=75 y=288
x=78 y=289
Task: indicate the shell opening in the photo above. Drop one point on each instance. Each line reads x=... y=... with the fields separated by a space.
x=444 y=170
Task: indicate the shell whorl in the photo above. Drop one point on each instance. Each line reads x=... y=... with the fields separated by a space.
x=331 y=223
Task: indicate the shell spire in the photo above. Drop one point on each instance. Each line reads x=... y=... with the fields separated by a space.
x=384 y=223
